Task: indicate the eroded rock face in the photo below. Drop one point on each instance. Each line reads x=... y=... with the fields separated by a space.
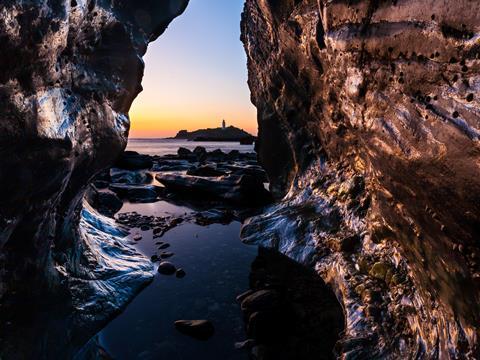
x=368 y=123
x=69 y=73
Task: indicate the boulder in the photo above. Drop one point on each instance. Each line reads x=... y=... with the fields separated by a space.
x=183 y=152
x=241 y=190
x=200 y=151
x=166 y=268
x=131 y=160
x=262 y=300
x=105 y=202
x=205 y=171
x=130 y=177
x=137 y=193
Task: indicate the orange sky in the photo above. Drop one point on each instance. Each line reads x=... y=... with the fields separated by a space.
x=195 y=74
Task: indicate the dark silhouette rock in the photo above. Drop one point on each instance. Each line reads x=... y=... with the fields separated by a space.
x=205 y=171
x=198 y=329
x=242 y=190
x=69 y=72
x=180 y=273
x=136 y=193
x=130 y=177
x=184 y=152
x=364 y=110
x=131 y=160
x=229 y=133
x=166 y=268
x=105 y=202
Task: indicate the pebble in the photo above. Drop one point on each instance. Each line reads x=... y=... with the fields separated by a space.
x=164 y=246
x=137 y=237
x=166 y=268
x=247 y=344
x=166 y=255
x=198 y=329
x=180 y=273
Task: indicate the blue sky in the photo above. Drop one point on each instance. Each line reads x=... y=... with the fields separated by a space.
x=196 y=74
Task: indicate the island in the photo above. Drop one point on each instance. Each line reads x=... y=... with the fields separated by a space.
x=223 y=133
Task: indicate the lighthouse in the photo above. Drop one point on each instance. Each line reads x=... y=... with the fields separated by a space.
x=224 y=124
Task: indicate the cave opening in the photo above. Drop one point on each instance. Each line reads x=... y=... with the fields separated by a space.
x=196 y=78
x=132 y=229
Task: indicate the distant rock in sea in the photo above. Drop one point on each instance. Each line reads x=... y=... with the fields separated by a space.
x=230 y=133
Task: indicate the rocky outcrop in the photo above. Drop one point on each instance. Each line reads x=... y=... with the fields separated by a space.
x=369 y=131
x=69 y=73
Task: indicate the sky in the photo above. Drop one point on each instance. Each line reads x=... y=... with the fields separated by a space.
x=195 y=74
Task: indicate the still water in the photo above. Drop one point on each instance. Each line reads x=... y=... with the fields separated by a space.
x=170 y=146
x=217 y=265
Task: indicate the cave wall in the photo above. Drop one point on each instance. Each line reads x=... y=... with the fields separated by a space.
x=69 y=73
x=369 y=128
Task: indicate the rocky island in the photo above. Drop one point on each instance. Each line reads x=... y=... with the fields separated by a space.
x=224 y=133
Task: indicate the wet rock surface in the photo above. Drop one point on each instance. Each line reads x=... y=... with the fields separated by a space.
x=198 y=329
x=383 y=92
x=69 y=73
x=240 y=190
x=289 y=312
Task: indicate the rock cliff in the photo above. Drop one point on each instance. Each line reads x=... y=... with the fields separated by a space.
x=69 y=73
x=369 y=129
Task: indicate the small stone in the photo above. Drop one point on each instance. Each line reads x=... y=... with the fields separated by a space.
x=164 y=246
x=154 y=258
x=379 y=270
x=166 y=268
x=198 y=329
x=137 y=237
x=243 y=295
x=261 y=300
x=166 y=255
x=247 y=344
x=180 y=273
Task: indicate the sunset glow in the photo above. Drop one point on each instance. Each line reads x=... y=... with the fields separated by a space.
x=196 y=74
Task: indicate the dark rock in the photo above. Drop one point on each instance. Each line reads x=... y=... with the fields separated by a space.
x=131 y=160
x=183 y=152
x=233 y=155
x=205 y=171
x=215 y=156
x=242 y=296
x=198 y=329
x=265 y=326
x=247 y=344
x=163 y=246
x=69 y=71
x=255 y=171
x=137 y=237
x=136 y=193
x=229 y=133
x=105 y=202
x=101 y=184
x=262 y=300
x=200 y=151
x=352 y=95
x=154 y=258
x=130 y=177
x=180 y=273
x=166 y=255
x=214 y=216
x=242 y=190
x=166 y=268
x=172 y=165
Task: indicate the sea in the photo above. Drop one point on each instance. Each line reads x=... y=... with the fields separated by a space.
x=170 y=146
x=217 y=265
